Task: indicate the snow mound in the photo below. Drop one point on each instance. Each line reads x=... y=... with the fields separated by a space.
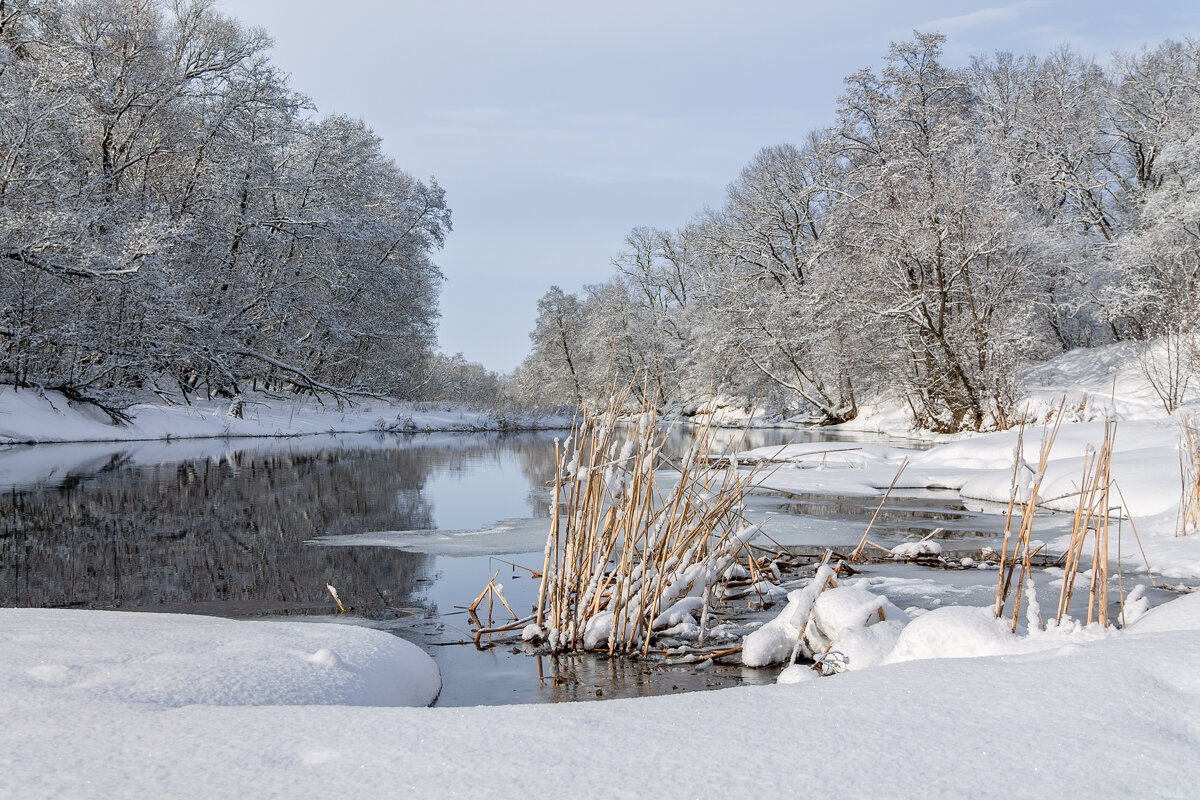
x=843 y=609
x=952 y=632
x=773 y=642
x=915 y=549
x=1181 y=614
x=859 y=625
x=174 y=660
x=796 y=673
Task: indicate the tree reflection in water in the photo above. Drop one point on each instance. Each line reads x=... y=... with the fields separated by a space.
x=227 y=535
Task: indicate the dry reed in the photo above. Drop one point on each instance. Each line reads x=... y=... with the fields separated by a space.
x=1092 y=517
x=1189 y=471
x=1022 y=493
x=857 y=556
x=622 y=549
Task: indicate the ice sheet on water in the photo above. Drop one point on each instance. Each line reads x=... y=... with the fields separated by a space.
x=506 y=537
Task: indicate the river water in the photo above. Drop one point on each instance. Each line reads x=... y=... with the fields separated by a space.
x=407 y=528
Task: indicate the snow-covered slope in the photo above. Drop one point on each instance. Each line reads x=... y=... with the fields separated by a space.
x=1092 y=716
x=158 y=661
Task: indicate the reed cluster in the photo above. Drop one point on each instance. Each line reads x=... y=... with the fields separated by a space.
x=1090 y=523
x=626 y=547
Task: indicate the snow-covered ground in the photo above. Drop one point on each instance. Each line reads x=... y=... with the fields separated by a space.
x=947 y=704
x=1093 y=384
x=1074 y=714
x=164 y=661
x=27 y=416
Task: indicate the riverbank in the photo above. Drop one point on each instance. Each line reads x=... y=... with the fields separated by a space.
x=1013 y=725
x=1090 y=384
x=29 y=417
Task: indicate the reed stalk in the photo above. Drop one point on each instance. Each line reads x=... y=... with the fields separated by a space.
x=1092 y=517
x=1021 y=554
x=1189 y=472
x=857 y=556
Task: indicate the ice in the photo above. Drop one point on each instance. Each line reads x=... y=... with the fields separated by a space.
x=504 y=538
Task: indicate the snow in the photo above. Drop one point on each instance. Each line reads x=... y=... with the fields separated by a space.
x=102 y=704
x=682 y=611
x=1145 y=470
x=774 y=641
x=977 y=715
x=914 y=549
x=952 y=632
x=172 y=660
x=27 y=416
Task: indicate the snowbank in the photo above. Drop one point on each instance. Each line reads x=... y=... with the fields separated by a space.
x=97 y=658
x=935 y=728
x=29 y=417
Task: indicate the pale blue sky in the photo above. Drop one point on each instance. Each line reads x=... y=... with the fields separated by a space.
x=556 y=127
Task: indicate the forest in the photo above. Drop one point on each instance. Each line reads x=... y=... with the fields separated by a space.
x=951 y=227
x=175 y=218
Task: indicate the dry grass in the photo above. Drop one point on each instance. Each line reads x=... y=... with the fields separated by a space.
x=858 y=556
x=622 y=549
x=1092 y=517
x=1023 y=493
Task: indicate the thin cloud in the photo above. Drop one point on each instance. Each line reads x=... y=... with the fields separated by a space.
x=979 y=17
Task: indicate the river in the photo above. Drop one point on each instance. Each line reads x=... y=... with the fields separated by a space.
x=407 y=528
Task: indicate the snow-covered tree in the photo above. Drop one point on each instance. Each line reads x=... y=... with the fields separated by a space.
x=929 y=242
x=170 y=216
x=767 y=280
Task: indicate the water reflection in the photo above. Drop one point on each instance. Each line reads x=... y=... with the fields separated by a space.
x=226 y=534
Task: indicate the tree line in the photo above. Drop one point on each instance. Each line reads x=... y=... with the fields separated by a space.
x=952 y=225
x=175 y=217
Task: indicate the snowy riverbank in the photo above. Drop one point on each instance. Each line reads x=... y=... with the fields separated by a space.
x=1085 y=715
x=1145 y=469
x=1092 y=387
x=27 y=417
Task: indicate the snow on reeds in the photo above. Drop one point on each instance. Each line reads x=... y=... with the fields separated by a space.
x=629 y=552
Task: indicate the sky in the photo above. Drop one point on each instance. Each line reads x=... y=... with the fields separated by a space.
x=557 y=126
